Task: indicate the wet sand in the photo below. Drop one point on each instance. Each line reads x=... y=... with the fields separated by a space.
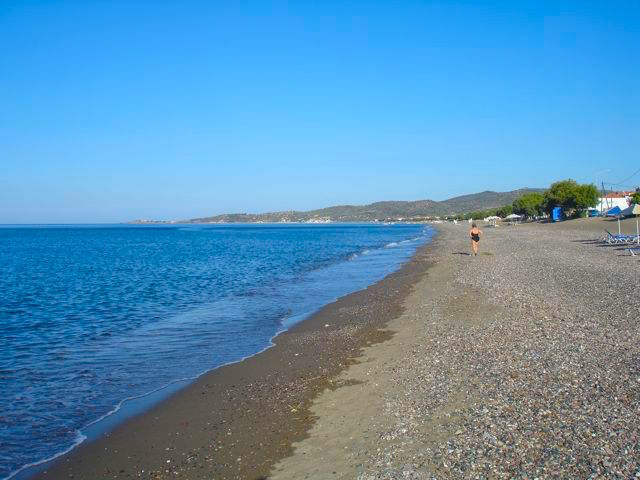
x=239 y=420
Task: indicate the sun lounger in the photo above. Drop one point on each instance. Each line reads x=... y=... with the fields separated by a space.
x=612 y=238
x=630 y=239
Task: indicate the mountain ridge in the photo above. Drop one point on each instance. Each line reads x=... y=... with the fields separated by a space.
x=389 y=210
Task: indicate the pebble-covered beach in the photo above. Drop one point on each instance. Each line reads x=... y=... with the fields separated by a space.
x=523 y=362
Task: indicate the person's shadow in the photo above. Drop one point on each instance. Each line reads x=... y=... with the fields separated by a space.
x=461 y=253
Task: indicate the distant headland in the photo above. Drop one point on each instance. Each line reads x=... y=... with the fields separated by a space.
x=386 y=211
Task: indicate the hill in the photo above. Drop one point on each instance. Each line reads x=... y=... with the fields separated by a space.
x=389 y=210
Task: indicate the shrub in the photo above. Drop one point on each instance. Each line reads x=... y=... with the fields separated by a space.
x=529 y=204
x=504 y=211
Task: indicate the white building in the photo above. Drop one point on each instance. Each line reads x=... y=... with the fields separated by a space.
x=614 y=199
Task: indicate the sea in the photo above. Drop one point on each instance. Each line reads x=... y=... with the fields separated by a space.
x=97 y=322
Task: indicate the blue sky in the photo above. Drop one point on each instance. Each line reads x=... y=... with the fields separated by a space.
x=118 y=110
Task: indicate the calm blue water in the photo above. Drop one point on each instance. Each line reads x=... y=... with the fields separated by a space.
x=91 y=316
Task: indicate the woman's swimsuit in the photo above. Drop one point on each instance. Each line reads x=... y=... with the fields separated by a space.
x=475 y=237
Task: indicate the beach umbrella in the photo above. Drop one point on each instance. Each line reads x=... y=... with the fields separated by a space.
x=627 y=211
x=615 y=212
x=513 y=217
x=612 y=212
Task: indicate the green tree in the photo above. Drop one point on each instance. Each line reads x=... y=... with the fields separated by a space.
x=478 y=214
x=504 y=211
x=635 y=198
x=569 y=195
x=560 y=194
x=529 y=204
x=586 y=196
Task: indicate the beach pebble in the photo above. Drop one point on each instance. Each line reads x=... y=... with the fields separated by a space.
x=527 y=366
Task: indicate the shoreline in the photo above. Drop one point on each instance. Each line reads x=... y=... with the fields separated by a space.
x=299 y=364
x=519 y=363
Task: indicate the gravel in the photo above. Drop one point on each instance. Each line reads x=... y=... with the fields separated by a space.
x=527 y=365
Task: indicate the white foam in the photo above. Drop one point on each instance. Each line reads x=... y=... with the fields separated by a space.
x=80 y=437
x=78 y=440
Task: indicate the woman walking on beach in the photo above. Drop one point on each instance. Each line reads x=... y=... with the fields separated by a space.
x=475 y=233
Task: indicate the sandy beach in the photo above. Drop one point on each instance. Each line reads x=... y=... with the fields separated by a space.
x=522 y=362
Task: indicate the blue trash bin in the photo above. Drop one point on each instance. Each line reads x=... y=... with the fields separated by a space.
x=557 y=215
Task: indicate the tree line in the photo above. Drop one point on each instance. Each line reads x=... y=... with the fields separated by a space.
x=572 y=197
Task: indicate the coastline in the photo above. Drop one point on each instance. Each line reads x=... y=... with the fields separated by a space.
x=216 y=425
x=519 y=363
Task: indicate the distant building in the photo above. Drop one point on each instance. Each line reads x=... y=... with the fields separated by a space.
x=614 y=199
